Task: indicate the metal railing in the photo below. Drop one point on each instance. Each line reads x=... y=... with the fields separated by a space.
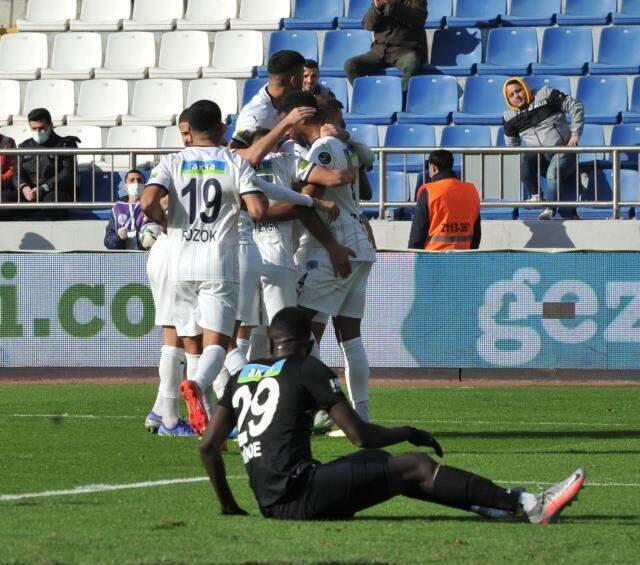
x=112 y=161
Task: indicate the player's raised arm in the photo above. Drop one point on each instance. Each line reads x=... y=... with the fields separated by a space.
x=150 y=201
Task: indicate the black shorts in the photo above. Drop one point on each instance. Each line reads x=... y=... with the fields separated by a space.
x=337 y=490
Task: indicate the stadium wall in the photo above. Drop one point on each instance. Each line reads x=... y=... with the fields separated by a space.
x=525 y=310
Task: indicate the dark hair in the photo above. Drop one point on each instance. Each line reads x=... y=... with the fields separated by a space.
x=184 y=116
x=290 y=323
x=296 y=99
x=442 y=159
x=204 y=116
x=329 y=103
x=39 y=115
x=259 y=133
x=310 y=64
x=133 y=172
x=284 y=63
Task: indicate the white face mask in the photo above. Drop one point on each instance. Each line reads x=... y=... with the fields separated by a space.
x=135 y=189
x=41 y=137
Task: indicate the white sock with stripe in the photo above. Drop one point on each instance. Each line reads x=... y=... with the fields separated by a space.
x=357 y=374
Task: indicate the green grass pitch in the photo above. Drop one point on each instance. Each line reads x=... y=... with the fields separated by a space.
x=512 y=435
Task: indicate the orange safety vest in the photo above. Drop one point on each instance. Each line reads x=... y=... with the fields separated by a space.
x=454 y=207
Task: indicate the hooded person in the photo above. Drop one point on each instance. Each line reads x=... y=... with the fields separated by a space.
x=537 y=118
x=127 y=218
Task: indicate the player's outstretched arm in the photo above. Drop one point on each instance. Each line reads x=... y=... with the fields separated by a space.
x=150 y=203
x=216 y=433
x=331 y=178
x=364 y=434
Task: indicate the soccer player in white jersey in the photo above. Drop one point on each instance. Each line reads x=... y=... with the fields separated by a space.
x=206 y=184
x=319 y=290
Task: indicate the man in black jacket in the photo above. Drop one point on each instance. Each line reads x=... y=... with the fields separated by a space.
x=399 y=39
x=38 y=178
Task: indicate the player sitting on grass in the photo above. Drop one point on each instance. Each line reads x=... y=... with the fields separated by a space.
x=272 y=403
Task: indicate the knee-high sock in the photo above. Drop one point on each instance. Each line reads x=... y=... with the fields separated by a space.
x=209 y=365
x=172 y=362
x=157 y=405
x=223 y=377
x=192 y=365
x=259 y=348
x=233 y=364
x=243 y=346
x=357 y=374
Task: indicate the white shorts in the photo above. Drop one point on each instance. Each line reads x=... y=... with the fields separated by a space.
x=265 y=289
x=320 y=290
x=205 y=305
x=162 y=288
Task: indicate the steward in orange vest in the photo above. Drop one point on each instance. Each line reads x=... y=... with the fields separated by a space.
x=448 y=210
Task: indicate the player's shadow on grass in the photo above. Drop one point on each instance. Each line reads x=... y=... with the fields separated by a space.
x=547 y=452
x=422 y=519
x=528 y=434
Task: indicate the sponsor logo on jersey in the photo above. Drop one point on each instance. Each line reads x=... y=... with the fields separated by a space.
x=196 y=168
x=324 y=157
x=254 y=372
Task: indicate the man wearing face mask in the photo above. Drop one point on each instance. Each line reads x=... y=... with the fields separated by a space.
x=127 y=217
x=38 y=178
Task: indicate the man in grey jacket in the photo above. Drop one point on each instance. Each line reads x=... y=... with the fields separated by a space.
x=538 y=118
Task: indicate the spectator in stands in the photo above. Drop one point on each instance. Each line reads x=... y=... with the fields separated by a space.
x=310 y=80
x=7 y=169
x=447 y=211
x=538 y=118
x=399 y=40
x=127 y=217
x=39 y=179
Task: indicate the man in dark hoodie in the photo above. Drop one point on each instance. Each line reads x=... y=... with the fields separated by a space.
x=538 y=118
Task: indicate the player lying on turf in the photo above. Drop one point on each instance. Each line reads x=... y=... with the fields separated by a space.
x=272 y=403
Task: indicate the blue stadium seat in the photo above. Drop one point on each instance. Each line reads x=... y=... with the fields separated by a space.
x=408 y=135
x=510 y=51
x=629 y=191
x=528 y=13
x=633 y=115
x=311 y=14
x=375 y=100
x=483 y=101
x=304 y=42
x=438 y=12
x=592 y=136
x=629 y=13
x=357 y=10
x=565 y=51
x=619 y=52
x=604 y=97
x=599 y=189
x=367 y=133
x=477 y=13
x=586 y=12
x=430 y=100
x=536 y=82
x=465 y=136
x=456 y=51
x=338 y=86
x=626 y=135
x=341 y=45
x=397 y=191
x=251 y=87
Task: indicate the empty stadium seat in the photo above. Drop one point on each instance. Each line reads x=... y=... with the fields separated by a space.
x=208 y=15
x=182 y=55
x=438 y=13
x=536 y=82
x=304 y=42
x=98 y=15
x=626 y=135
x=586 y=12
x=154 y=15
x=235 y=54
x=619 y=52
x=101 y=102
x=592 y=136
x=18 y=133
x=475 y=13
x=528 y=13
x=22 y=55
x=171 y=138
x=45 y=15
x=130 y=137
x=366 y=133
x=375 y=100
x=565 y=51
x=311 y=14
x=483 y=101
x=629 y=192
x=510 y=51
x=633 y=115
x=408 y=135
x=9 y=100
x=456 y=51
x=604 y=97
x=118 y=61
x=338 y=86
x=57 y=96
x=599 y=189
x=156 y=102
x=258 y=14
x=430 y=100
x=397 y=190
x=341 y=45
x=355 y=14
x=75 y=56
x=223 y=91
x=465 y=136
x=251 y=88
x=629 y=13
x=90 y=138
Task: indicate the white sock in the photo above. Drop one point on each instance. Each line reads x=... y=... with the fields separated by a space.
x=357 y=374
x=528 y=501
x=209 y=366
x=221 y=382
x=157 y=406
x=315 y=350
x=259 y=344
x=235 y=361
x=209 y=400
x=192 y=365
x=243 y=346
x=172 y=362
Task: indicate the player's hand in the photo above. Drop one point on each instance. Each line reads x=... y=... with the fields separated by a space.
x=234 y=510
x=573 y=140
x=420 y=438
x=328 y=207
x=329 y=130
x=370 y=234
x=339 y=256
x=298 y=115
x=122 y=234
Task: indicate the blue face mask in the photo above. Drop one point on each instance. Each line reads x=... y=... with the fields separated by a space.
x=41 y=137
